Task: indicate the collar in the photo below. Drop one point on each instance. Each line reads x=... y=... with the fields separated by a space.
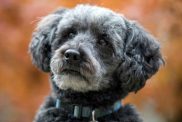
x=79 y=111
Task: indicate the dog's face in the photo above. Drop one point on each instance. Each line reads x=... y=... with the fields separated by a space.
x=86 y=48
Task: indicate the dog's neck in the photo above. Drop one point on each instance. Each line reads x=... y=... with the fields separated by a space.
x=96 y=99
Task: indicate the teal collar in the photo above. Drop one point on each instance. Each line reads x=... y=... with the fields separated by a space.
x=79 y=111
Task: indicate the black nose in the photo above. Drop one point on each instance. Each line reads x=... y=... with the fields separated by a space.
x=72 y=55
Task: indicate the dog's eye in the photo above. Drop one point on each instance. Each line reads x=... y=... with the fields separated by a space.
x=72 y=34
x=69 y=33
x=103 y=40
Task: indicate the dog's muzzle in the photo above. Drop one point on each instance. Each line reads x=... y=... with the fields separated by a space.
x=72 y=60
x=72 y=56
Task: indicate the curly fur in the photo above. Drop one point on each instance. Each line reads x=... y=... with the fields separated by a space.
x=118 y=56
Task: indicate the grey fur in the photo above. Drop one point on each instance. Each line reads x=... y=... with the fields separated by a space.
x=112 y=48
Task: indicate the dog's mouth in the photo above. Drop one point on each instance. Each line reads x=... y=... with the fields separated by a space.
x=74 y=73
x=71 y=71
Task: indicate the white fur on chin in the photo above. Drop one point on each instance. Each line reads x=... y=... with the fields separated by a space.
x=75 y=82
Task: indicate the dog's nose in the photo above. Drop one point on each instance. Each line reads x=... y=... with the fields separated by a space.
x=72 y=55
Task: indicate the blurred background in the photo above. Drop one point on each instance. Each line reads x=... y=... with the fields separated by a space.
x=23 y=87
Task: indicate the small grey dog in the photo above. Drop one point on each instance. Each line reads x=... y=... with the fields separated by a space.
x=95 y=57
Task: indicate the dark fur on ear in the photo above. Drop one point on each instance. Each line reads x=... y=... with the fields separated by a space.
x=142 y=58
x=40 y=46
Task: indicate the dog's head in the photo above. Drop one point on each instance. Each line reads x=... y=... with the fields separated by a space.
x=90 y=48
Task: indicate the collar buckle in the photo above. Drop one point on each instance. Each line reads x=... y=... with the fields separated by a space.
x=93 y=117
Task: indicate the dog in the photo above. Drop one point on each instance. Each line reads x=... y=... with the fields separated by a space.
x=95 y=57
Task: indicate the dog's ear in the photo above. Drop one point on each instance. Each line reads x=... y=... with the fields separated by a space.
x=40 y=45
x=141 y=58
